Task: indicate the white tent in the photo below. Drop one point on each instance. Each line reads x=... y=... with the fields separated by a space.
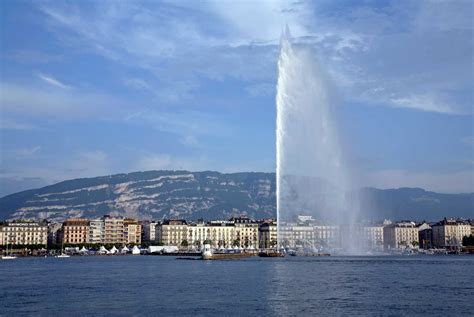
x=125 y=250
x=113 y=250
x=103 y=250
x=135 y=250
x=83 y=250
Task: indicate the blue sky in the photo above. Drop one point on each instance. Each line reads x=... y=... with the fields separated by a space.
x=101 y=87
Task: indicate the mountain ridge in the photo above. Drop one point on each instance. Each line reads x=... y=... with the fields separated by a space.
x=210 y=195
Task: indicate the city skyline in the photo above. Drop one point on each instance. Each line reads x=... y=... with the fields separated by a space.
x=92 y=89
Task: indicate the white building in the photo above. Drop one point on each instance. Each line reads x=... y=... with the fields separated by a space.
x=449 y=232
x=400 y=235
x=149 y=230
x=97 y=231
x=21 y=232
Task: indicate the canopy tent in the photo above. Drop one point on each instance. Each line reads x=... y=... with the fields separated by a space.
x=125 y=250
x=113 y=250
x=135 y=250
x=103 y=250
x=83 y=250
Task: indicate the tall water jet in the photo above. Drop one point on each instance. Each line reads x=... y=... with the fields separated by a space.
x=312 y=178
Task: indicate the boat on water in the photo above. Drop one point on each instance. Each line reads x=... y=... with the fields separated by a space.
x=62 y=254
x=208 y=254
x=271 y=254
x=8 y=256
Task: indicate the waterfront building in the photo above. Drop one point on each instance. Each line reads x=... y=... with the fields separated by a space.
x=148 y=230
x=295 y=235
x=237 y=232
x=361 y=237
x=309 y=234
x=97 y=231
x=268 y=234
x=172 y=232
x=372 y=236
x=24 y=232
x=113 y=230
x=449 y=232
x=219 y=234
x=327 y=235
x=246 y=232
x=54 y=232
x=425 y=236
x=2 y=241
x=75 y=231
x=132 y=231
x=400 y=235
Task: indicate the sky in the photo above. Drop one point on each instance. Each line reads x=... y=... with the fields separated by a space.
x=91 y=88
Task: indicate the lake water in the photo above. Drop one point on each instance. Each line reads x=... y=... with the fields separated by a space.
x=152 y=285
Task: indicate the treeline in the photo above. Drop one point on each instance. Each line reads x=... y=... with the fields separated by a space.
x=468 y=241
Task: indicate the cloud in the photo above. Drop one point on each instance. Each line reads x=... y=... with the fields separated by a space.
x=8 y=124
x=27 y=152
x=64 y=103
x=32 y=57
x=78 y=164
x=138 y=84
x=190 y=140
x=392 y=54
x=425 y=103
x=53 y=81
x=188 y=123
x=158 y=161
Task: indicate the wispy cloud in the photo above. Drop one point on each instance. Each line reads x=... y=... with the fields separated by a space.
x=53 y=81
x=8 y=124
x=27 y=152
x=349 y=39
x=158 y=161
x=30 y=101
x=425 y=103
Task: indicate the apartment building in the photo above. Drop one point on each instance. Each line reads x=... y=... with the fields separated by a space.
x=400 y=235
x=132 y=231
x=24 y=232
x=96 y=231
x=449 y=232
x=268 y=234
x=75 y=231
x=113 y=230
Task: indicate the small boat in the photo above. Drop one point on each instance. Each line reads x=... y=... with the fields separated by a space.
x=271 y=254
x=207 y=254
x=62 y=255
x=8 y=256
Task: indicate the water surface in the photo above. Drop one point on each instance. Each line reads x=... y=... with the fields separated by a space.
x=151 y=285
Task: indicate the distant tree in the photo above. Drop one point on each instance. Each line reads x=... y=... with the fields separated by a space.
x=415 y=243
x=468 y=240
x=236 y=243
x=184 y=243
